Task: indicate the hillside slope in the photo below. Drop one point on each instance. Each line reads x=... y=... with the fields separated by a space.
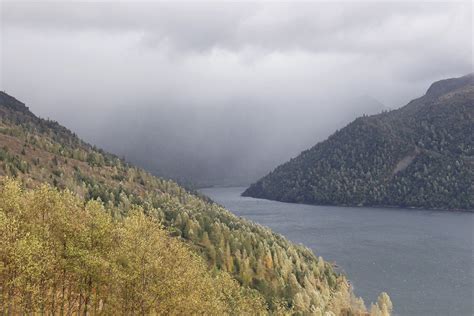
x=62 y=255
x=421 y=155
x=289 y=277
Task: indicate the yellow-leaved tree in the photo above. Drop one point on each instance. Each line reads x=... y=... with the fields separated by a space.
x=61 y=255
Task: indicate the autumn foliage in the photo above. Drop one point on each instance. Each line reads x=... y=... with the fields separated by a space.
x=60 y=255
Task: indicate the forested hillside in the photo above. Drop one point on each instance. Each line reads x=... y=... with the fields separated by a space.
x=61 y=251
x=61 y=255
x=421 y=155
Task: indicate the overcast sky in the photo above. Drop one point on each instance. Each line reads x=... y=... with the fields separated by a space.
x=90 y=64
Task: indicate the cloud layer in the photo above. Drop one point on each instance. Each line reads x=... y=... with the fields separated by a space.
x=272 y=76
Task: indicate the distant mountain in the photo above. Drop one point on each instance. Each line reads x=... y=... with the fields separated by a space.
x=111 y=259
x=421 y=155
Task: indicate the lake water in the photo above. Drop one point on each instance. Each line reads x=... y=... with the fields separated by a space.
x=423 y=259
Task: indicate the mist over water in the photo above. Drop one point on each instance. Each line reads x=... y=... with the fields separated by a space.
x=220 y=145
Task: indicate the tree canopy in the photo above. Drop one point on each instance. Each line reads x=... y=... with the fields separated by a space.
x=421 y=155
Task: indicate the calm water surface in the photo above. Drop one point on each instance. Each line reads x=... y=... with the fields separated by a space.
x=423 y=259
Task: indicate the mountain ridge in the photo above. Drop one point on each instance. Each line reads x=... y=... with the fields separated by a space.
x=428 y=142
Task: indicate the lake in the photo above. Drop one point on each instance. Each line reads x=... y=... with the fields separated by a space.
x=423 y=259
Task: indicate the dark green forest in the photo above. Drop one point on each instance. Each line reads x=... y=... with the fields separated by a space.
x=421 y=155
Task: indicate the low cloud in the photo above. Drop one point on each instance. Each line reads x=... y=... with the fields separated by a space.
x=231 y=87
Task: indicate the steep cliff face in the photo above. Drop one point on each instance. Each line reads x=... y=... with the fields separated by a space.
x=420 y=155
